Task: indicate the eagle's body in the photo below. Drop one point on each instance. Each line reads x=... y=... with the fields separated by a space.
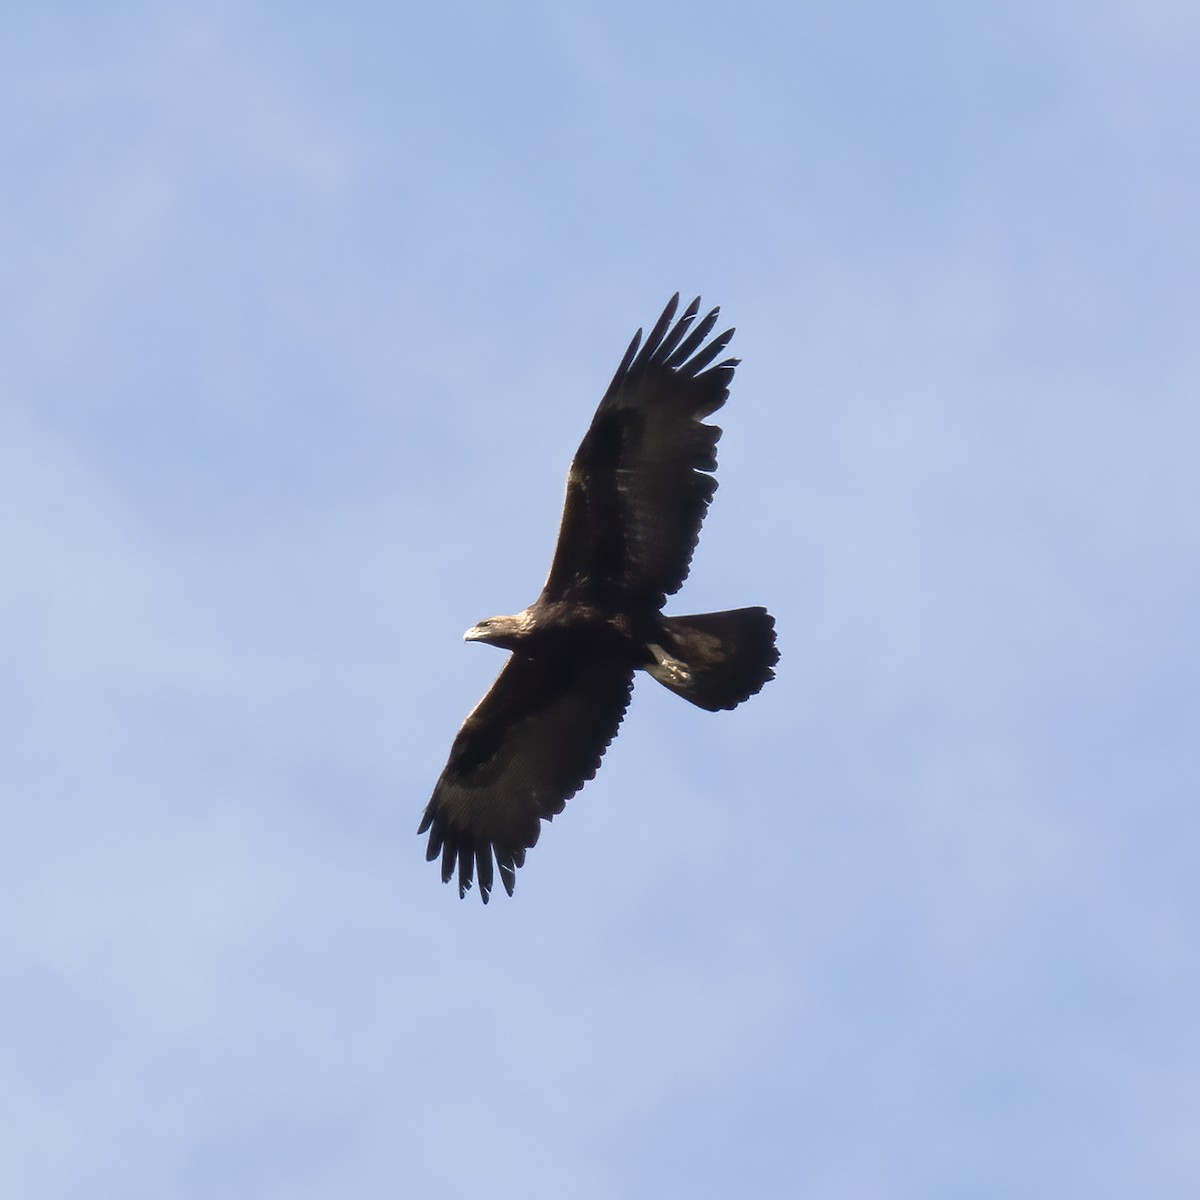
x=636 y=496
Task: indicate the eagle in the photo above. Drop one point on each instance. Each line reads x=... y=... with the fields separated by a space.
x=637 y=492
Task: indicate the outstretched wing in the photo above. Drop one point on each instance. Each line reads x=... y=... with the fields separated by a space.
x=533 y=741
x=641 y=481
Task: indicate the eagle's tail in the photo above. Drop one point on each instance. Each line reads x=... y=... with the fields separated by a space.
x=716 y=660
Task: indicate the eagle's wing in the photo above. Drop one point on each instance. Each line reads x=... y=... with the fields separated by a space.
x=530 y=744
x=641 y=480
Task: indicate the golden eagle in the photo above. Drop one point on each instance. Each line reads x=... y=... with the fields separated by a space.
x=637 y=493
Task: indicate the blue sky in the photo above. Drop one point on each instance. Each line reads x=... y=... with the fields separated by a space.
x=303 y=311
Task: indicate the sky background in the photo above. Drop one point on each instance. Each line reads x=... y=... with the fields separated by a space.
x=303 y=311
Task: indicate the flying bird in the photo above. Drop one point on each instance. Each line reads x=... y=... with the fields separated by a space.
x=637 y=493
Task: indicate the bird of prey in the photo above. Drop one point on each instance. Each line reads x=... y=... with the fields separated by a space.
x=637 y=493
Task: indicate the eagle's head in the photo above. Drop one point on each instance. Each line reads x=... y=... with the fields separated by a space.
x=500 y=631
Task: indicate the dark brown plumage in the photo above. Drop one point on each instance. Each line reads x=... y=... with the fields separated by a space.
x=637 y=493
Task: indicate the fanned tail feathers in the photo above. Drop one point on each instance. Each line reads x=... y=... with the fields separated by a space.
x=716 y=660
